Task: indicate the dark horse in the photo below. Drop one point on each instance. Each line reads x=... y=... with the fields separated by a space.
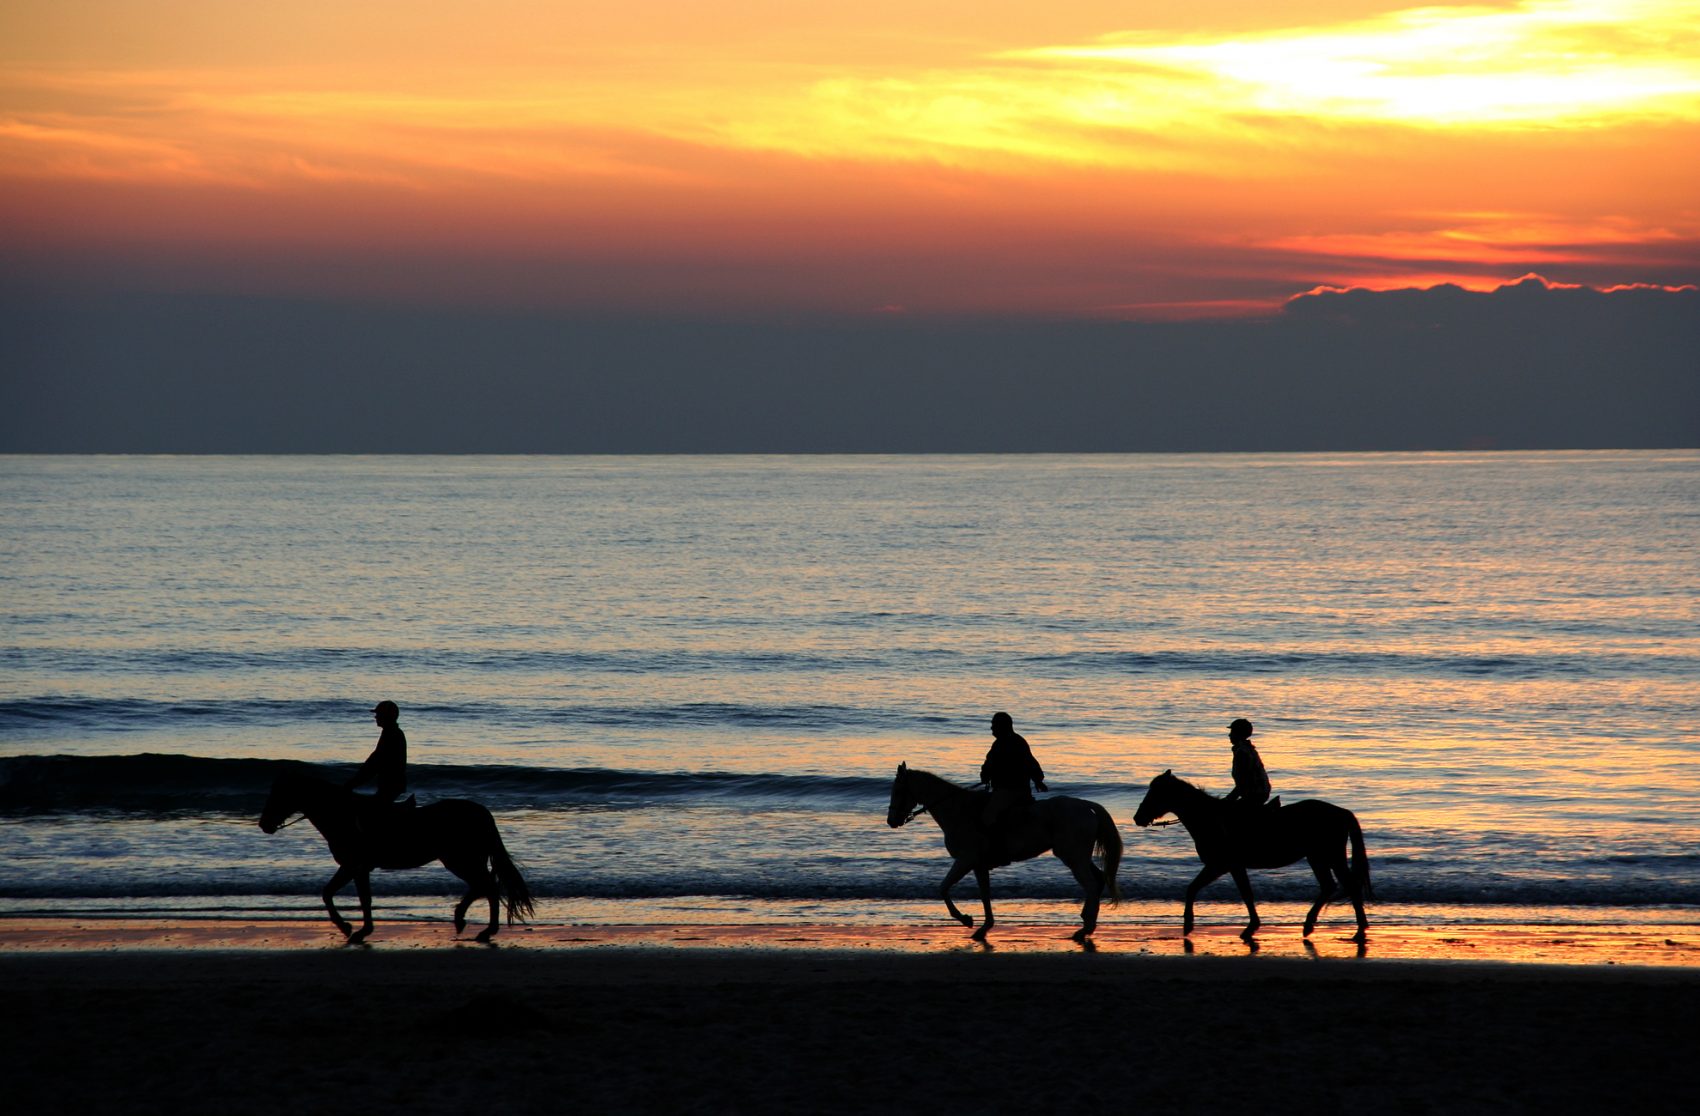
x=459 y=833
x=1070 y=828
x=1228 y=840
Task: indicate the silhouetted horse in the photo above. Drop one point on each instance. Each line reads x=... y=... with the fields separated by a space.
x=1231 y=838
x=1070 y=828
x=459 y=833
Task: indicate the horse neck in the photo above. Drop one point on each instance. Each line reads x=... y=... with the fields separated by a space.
x=327 y=806
x=1192 y=802
x=944 y=800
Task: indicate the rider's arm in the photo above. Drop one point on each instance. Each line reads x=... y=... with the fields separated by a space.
x=365 y=771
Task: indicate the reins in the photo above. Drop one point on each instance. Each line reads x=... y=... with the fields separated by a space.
x=923 y=807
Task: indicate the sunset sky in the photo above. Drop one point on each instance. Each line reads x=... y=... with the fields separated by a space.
x=1082 y=159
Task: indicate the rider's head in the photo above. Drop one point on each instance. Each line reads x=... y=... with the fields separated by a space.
x=1002 y=725
x=1240 y=729
x=386 y=712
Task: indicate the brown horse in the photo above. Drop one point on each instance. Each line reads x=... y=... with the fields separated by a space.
x=1070 y=828
x=1231 y=838
x=459 y=833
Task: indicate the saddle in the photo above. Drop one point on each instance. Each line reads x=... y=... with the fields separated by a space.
x=1247 y=822
x=1006 y=831
x=375 y=818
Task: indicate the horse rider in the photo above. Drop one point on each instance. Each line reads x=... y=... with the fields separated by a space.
x=386 y=767
x=1251 y=781
x=1009 y=767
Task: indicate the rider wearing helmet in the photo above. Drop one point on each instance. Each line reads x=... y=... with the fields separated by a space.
x=1009 y=767
x=1251 y=781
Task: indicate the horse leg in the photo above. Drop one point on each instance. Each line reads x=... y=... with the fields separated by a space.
x=1206 y=875
x=336 y=884
x=461 y=907
x=1325 y=882
x=470 y=875
x=363 y=888
x=1243 y=882
x=1093 y=881
x=1355 y=888
x=494 y=893
x=957 y=871
x=983 y=877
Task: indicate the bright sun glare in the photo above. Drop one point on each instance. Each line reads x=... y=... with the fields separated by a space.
x=1544 y=61
x=1121 y=99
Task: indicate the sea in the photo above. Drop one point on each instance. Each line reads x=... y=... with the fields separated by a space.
x=683 y=684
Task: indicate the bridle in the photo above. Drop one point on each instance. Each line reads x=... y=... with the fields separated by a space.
x=923 y=807
x=1154 y=823
x=287 y=824
x=920 y=807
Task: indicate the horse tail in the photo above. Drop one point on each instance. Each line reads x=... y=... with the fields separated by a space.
x=1110 y=845
x=516 y=893
x=1360 y=858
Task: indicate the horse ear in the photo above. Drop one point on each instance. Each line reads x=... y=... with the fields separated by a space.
x=902 y=767
x=1169 y=772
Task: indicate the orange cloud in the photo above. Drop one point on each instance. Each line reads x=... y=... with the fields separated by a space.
x=1045 y=162
x=1531 y=281
x=1496 y=241
x=1545 y=63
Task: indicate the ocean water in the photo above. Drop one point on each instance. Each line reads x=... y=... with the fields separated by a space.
x=687 y=681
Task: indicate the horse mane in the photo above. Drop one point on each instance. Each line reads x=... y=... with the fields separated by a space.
x=299 y=772
x=306 y=778
x=939 y=779
x=1192 y=788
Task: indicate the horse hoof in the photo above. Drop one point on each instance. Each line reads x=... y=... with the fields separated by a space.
x=485 y=937
x=980 y=934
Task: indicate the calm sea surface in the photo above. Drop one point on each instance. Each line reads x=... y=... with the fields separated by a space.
x=690 y=679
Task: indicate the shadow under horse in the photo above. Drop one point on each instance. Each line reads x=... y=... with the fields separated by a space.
x=1231 y=838
x=459 y=833
x=1069 y=828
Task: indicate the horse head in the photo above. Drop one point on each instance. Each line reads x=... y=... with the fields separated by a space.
x=1157 y=799
x=285 y=799
x=902 y=799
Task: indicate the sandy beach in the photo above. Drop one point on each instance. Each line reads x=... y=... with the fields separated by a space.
x=242 y=1017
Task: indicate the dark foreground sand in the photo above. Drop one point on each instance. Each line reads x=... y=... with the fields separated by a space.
x=657 y=1029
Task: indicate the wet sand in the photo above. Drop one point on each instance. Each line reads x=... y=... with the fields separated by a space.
x=1671 y=944
x=231 y=1017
